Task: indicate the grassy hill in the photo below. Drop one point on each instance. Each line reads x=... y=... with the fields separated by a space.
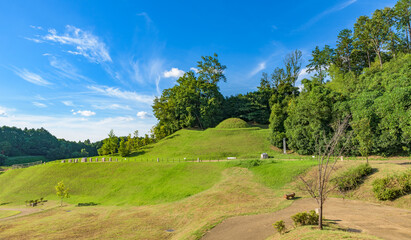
x=213 y=143
x=126 y=183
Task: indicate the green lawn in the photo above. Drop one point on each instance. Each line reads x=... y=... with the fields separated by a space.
x=123 y=183
x=8 y=213
x=243 y=143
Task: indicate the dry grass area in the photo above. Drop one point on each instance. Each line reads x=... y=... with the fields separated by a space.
x=364 y=191
x=236 y=194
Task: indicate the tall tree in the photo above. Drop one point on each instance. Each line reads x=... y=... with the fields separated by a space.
x=344 y=50
x=402 y=16
x=320 y=61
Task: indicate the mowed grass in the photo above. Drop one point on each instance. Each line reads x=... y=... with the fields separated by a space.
x=125 y=183
x=243 y=143
x=8 y=213
x=238 y=192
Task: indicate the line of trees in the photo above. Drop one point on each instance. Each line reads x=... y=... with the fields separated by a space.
x=124 y=146
x=39 y=142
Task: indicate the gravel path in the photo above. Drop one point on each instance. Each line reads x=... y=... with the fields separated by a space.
x=378 y=220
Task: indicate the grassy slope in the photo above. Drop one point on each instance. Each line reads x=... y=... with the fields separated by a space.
x=237 y=193
x=110 y=183
x=213 y=144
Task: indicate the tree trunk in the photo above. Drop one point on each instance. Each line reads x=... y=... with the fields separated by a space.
x=61 y=202
x=320 y=215
x=379 y=56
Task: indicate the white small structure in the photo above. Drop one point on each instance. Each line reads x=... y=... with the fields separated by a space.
x=63 y=161
x=264 y=156
x=231 y=158
x=84 y=160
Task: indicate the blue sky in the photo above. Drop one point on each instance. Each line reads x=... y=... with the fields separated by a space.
x=80 y=68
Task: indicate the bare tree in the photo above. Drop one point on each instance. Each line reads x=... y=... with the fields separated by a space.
x=328 y=153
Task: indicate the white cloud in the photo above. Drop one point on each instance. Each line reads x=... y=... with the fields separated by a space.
x=36 y=40
x=143 y=115
x=194 y=69
x=68 y=103
x=112 y=107
x=115 y=92
x=39 y=104
x=173 y=73
x=85 y=43
x=66 y=70
x=31 y=77
x=85 y=113
x=261 y=66
x=336 y=8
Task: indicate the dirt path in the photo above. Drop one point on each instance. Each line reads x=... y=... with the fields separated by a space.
x=381 y=221
x=23 y=212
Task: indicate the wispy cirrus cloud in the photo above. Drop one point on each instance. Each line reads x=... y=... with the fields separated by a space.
x=112 y=107
x=173 y=73
x=116 y=92
x=318 y=17
x=31 y=77
x=260 y=66
x=85 y=43
x=39 y=104
x=68 y=103
x=65 y=69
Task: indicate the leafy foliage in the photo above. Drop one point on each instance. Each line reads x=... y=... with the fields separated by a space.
x=353 y=177
x=304 y=218
x=279 y=226
x=392 y=187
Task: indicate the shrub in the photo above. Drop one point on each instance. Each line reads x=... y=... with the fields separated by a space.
x=303 y=218
x=353 y=177
x=392 y=187
x=280 y=226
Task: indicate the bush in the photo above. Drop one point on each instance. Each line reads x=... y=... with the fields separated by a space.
x=280 y=226
x=353 y=177
x=392 y=187
x=303 y=218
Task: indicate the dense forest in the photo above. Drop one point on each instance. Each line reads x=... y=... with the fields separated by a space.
x=366 y=76
x=39 y=142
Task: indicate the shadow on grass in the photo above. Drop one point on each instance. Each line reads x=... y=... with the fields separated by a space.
x=87 y=204
x=5 y=203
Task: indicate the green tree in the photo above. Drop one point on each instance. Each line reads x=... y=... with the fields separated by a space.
x=364 y=136
x=344 y=50
x=402 y=16
x=320 y=61
x=62 y=192
x=122 y=149
x=194 y=102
